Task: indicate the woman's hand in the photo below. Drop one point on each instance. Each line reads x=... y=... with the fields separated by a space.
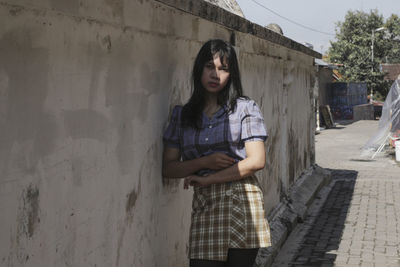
x=195 y=180
x=173 y=167
x=218 y=161
x=254 y=161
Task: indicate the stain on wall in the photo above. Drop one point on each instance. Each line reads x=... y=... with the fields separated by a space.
x=29 y=212
x=25 y=65
x=28 y=220
x=15 y=11
x=131 y=202
x=119 y=97
x=70 y=6
x=106 y=42
x=86 y=123
x=195 y=28
x=77 y=171
x=294 y=159
x=117 y=7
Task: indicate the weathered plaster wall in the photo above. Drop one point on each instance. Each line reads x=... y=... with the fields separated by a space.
x=86 y=88
x=280 y=80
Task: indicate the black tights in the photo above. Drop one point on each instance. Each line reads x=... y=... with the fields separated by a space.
x=237 y=257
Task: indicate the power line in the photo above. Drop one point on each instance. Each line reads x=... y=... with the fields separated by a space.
x=292 y=21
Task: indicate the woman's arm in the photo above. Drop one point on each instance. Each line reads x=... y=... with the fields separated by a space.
x=254 y=161
x=173 y=167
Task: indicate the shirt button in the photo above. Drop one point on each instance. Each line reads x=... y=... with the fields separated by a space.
x=228 y=193
x=206 y=139
x=210 y=126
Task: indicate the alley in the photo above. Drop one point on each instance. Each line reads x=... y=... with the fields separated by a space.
x=355 y=221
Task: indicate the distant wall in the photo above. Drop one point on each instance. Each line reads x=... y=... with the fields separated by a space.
x=86 y=88
x=363 y=112
x=324 y=81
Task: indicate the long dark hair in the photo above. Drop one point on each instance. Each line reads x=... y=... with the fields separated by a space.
x=192 y=110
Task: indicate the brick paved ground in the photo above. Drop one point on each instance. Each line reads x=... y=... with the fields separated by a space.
x=355 y=221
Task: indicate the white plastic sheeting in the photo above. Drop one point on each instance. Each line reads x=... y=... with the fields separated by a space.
x=389 y=123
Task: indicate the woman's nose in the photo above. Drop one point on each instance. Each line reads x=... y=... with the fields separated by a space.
x=215 y=73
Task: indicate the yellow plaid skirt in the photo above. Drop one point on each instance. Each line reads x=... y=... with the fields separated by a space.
x=228 y=215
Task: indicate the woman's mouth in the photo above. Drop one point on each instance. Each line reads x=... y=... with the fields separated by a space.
x=212 y=84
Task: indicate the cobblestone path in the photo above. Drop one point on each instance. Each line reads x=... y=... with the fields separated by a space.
x=358 y=225
x=355 y=221
x=323 y=238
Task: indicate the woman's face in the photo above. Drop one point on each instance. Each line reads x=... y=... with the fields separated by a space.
x=215 y=75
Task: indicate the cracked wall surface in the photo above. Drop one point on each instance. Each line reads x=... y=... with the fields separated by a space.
x=86 y=90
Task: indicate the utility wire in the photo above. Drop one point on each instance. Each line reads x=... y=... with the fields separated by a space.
x=292 y=21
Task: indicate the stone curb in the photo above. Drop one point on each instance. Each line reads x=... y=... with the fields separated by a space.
x=292 y=211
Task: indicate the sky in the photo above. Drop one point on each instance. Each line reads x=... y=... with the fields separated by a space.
x=319 y=15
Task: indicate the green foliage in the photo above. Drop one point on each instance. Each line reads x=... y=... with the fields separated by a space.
x=393 y=42
x=352 y=48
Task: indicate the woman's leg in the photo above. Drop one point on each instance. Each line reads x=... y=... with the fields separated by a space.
x=240 y=257
x=206 y=263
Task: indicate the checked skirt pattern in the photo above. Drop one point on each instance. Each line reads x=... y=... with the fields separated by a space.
x=229 y=215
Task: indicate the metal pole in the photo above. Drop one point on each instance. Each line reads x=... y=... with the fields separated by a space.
x=372 y=55
x=372 y=64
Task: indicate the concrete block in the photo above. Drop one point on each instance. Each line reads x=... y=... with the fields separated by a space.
x=363 y=112
x=293 y=210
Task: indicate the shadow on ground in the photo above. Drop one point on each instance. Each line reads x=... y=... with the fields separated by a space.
x=326 y=230
x=337 y=128
x=344 y=122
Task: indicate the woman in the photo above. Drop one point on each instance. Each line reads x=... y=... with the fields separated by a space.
x=216 y=142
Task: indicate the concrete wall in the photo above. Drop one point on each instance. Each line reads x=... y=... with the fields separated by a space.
x=86 y=88
x=324 y=82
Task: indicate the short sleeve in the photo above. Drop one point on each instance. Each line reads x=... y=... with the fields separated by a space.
x=253 y=127
x=171 y=134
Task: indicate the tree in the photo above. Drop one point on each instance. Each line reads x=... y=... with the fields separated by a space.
x=393 y=41
x=352 y=48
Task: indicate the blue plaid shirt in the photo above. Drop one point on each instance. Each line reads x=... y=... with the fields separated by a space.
x=224 y=132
